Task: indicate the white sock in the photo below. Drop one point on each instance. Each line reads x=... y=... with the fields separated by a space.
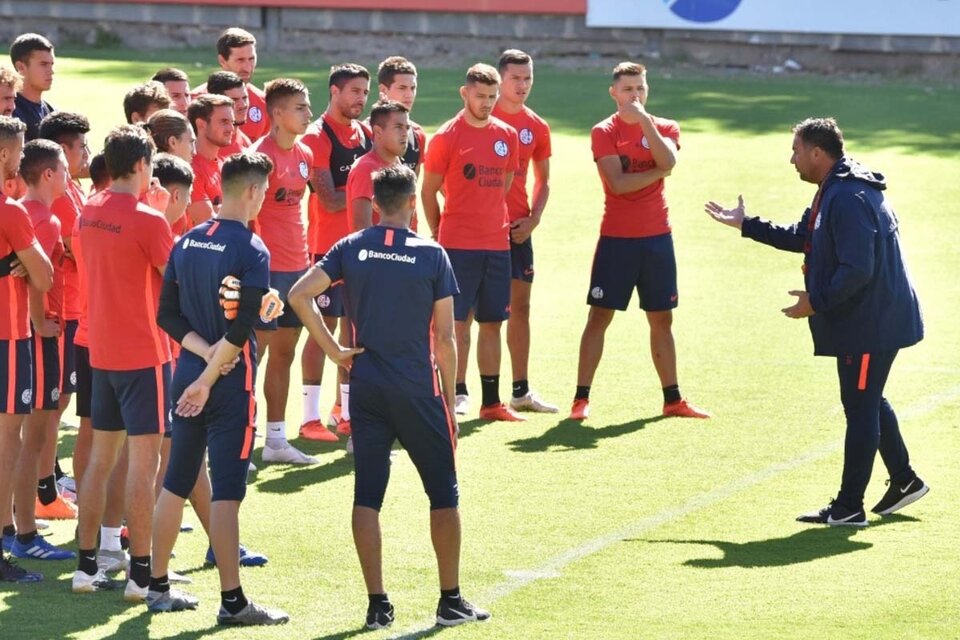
x=345 y=401
x=110 y=539
x=277 y=434
x=311 y=402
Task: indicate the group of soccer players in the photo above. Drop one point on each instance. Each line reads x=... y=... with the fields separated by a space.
x=154 y=296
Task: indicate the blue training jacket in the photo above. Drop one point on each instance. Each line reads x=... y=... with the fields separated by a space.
x=853 y=268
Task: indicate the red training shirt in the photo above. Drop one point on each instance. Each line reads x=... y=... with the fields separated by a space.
x=533 y=133
x=360 y=185
x=67 y=208
x=46 y=226
x=16 y=234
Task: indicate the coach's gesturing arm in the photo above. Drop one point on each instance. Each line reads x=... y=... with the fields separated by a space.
x=786 y=238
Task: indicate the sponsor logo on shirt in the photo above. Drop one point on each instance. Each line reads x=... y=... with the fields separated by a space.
x=526 y=136
x=304 y=170
x=489 y=176
x=373 y=254
x=290 y=197
x=100 y=224
x=190 y=243
x=255 y=114
x=500 y=148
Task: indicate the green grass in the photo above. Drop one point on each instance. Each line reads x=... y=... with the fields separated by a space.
x=629 y=526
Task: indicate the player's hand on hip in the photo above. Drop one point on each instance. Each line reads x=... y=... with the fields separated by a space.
x=520 y=230
x=802 y=308
x=49 y=328
x=345 y=356
x=193 y=399
x=17 y=270
x=730 y=217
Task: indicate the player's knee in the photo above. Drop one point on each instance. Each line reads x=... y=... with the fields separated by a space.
x=178 y=486
x=235 y=493
x=446 y=497
x=368 y=501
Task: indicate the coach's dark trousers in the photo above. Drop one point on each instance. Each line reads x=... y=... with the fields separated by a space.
x=871 y=425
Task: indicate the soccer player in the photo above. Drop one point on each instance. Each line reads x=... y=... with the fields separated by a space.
x=397 y=80
x=281 y=227
x=237 y=52
x=229 y=84
x=394 y=278
x=172 y=133
x=516 y=73
x=33 y=58
x=125 y=249
x=212 y=119
x=473 y=158
x=44 y=169
x=391 y=127
x=69 y=130
x=634 y=152
x=177 y=84
x=17 y=242
x=215 y=411
x=9 y=85
x=99 y=176
x=860 y=304
x=337 y=139
x=143 y=100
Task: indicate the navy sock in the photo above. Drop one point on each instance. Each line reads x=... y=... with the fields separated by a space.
x=9 y=530
x=462 y=389
x=26 y=538
x=47 y=489
x=671 y=394
x=378 y=599
x=583 y=392
x=161 y=584
x=490 y=390
x=57 y=471
x=140 y=570
x=453 y=595
x=88 y=561
x=520 y=388
x=233 y=601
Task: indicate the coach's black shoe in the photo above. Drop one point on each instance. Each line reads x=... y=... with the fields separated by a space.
x=452 y=613
x=900 y=495
x=379 y=615
x=835 y=515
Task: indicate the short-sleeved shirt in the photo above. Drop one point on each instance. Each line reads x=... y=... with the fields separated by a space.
x=416 y=147
x=280 y=221
x=31 y=113
x=125 y=242
x=642 y=213
x=353 y=141
x=360 y=185
x=258 y=121
x=200 y=260
x=239 y=143
x=474 y=163
x=80 y=337
x=206 y=186
x=46 y=226
x=533 y=133
x=67 y=208
x=16 y=234
x=392 y=278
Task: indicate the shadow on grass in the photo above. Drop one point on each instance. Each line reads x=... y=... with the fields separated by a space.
x=804 y=546
x=572 y=435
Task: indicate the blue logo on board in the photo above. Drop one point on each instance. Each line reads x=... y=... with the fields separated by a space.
x=703 y=10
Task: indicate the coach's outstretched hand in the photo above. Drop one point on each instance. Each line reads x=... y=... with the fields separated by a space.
x=730 y=217
x=193 y=399
x=344 y=357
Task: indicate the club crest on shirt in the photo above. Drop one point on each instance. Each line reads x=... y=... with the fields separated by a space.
x=304 y=170
x=255 y=114
x=526 y=136
x=500 y=148
x=644 y=142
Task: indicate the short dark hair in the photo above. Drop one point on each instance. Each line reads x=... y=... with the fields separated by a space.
x=234 y=38
x=124 y=147
x=63 y=127
x=163 y=125
x=483 y=74
x=513 y=56
x=98 y=172
x=382 y=109
x=203 y=105
x=10 y=78
x=242 y=169
x=10 y=128
x=280 y=89
x=392 y=186
x=222 y=81
x=628 y=69
x=170 y=170
x=821 y=132
x=26 y=44
x=143 y=96
x=38 y=156
x=341 y=74
x=170 y=74
x=392 y=67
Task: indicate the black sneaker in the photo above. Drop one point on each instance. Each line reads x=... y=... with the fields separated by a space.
x=252 y=615
x=11 y=572
x=835 y=515
x=452 y=614
x=900 y=495
x=380 y=615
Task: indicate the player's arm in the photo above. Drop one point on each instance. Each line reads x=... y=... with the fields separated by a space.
x=521 y=229
x=321 y=181
x=663 y=150
x=200 y=211
x=38 y=267
x=445 y=347
x=620 y=182
x=44 y=326
x=431 y=203
x=362 y=213
x=309 y=286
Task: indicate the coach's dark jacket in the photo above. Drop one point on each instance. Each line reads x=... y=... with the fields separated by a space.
x=853 y=268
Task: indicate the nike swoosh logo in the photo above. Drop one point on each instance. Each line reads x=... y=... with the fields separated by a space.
x=906 y=488
x=42 y=487
x=463 y=615
x=89 y=557
x=142 y=564
x=623 y=143
x=832 y=520
x=230 y=599
x=464 y=152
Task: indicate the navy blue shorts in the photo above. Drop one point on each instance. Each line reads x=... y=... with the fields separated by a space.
x=521 y=260
x=84 y=381
x=136 y=400
x=68 y=358
x=379 y=416
x=621 y=265
x=225 y=429
x=46 y=373
x=16 y=376
x=330 y=302
x=484 y=281
x=283 y=281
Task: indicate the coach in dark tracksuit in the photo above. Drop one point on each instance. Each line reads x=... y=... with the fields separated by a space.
x=860 y=304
